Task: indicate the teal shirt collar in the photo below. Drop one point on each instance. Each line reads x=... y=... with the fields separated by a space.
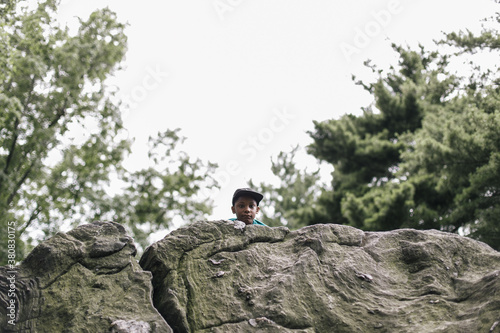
x=255 y=221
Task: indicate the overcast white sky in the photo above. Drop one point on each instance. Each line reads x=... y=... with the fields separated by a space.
x=245 y=79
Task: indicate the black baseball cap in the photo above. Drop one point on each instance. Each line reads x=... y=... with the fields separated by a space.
x=247 y=192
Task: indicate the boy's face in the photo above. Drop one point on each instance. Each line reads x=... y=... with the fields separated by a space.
x=245 y=209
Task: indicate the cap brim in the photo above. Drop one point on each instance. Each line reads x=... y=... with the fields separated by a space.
x=252 y=194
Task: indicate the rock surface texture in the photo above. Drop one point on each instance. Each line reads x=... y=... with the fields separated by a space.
x=86 y=280
x=224 y=276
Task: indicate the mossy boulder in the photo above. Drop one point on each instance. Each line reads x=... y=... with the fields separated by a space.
x=223 y=276
x=86 y=280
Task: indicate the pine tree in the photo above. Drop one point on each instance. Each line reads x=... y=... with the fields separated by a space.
x=427 y=154
x=368 y=191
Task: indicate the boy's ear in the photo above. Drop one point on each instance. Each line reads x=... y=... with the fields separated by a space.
x=232 y=209
x=258 y=209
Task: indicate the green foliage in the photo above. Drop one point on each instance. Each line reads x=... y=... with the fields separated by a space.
x=51 y=81
x=366 y=150
x=293 y=201
x=425 y=155
x=154 y=197
x=456 y=159
x=52 y=87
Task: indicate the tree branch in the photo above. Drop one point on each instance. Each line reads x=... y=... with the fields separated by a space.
x=16 y=125
x=59 y=114
x=12 y=147
x=33 y=216
x=19 y=183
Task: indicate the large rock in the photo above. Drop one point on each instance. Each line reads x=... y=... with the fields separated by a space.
x=86 y=280
x=224 y=276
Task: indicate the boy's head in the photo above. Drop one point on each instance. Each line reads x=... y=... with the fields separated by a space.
x=246 y=204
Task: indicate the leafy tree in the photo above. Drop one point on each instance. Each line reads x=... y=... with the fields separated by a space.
x=52 y=86
x=166 y=192
x=293 y=201
x=50 y=82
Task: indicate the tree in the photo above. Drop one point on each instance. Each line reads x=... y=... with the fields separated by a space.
x=166 y=192
x=366 y=150
x=456 y=157
x=424 y=155
x=53 y=85
x=427 y=155
x=52 y=81
x=458 y=148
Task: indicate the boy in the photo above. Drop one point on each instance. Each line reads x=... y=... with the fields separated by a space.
x=246 y=205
